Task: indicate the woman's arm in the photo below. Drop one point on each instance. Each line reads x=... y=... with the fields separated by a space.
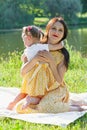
x=61 y=68
x=56 y=46
x=55 y=73
x=47 y=57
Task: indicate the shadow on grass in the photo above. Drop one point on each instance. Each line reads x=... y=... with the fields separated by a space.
x=81 y=123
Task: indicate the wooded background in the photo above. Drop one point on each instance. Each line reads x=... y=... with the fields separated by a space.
x=18 y=13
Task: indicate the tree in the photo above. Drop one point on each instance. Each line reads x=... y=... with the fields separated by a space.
x=14 y=15
x=66 y=8
x=84 y=6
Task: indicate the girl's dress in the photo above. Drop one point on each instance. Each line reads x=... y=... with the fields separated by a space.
x=55 y=96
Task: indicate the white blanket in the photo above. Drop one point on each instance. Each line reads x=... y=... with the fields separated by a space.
x=61 y=119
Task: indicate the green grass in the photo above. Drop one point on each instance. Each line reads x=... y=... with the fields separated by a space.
x=82 y=15
x=42 y=21
x=76 y=79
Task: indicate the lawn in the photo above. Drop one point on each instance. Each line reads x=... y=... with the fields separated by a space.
x=76 y=79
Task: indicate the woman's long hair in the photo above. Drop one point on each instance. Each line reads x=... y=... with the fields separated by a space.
x=66 y=56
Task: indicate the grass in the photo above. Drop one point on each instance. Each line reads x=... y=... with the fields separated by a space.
x=76 y=79
x=41 y=22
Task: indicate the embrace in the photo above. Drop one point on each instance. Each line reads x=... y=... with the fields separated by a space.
x=45 y=62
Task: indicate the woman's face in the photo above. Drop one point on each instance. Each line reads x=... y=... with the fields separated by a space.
x=56 y=33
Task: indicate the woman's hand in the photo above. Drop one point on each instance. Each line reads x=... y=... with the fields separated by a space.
x=47 y=58
x=44 y=56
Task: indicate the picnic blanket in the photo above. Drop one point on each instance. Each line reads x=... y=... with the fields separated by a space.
x=60 y=119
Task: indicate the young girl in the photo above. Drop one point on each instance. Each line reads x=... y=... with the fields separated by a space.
x=32 y=37
x=33 y=42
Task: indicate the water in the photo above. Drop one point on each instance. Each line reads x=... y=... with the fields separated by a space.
x=11 y=41
x=78 y=39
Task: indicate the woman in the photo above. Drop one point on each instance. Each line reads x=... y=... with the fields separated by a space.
x=56 y=95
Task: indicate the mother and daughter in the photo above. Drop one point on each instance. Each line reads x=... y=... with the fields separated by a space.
x=45 y=61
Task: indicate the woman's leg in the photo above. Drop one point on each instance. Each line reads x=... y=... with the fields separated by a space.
x=75 y=108
x=54 y=102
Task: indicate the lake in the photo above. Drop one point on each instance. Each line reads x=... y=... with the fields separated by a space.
x=11 y=40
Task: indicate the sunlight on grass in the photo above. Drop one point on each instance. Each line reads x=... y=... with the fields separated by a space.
x=40 y=21
x=76 y=79
x=82 y=15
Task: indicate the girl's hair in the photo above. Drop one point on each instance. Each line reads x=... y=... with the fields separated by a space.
x=63 y=50
x=35 y=31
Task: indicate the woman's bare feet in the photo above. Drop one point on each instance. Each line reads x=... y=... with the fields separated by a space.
x=76 y=108
x=79 y=103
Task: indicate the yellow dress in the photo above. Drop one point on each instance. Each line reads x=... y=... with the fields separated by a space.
x=40 y=81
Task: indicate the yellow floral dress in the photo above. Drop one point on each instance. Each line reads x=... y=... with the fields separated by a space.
x=40 y=81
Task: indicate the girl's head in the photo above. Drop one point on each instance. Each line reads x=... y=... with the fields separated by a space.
x=31 y=35
x=56 y=30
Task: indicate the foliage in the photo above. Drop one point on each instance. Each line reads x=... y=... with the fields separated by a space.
x=10 y=69
x=13 y=14
x=66 y=8
x=76 y=76
x=84 y=6
x=17 y=13
x=70 y=8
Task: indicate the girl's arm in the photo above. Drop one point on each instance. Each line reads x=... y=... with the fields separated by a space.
x=56 y=46
x=28 y=66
